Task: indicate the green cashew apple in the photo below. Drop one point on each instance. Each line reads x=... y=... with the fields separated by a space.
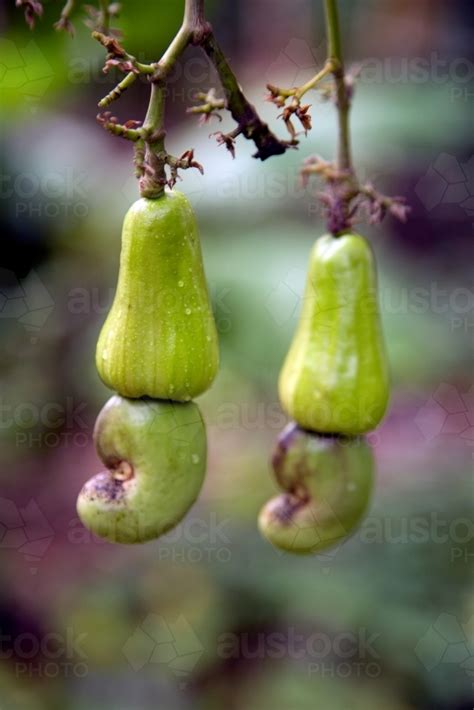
x=160 y=339
x=335 y=376
x=155 y=458
x=328 y=481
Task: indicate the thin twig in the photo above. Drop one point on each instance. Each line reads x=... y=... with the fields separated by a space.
x=242 y=111
x=343 y=101
x=118 y=90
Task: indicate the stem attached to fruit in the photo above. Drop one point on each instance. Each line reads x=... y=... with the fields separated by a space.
x=151 y=157
x=153 y=178
x=346 y=201
x=343 y=101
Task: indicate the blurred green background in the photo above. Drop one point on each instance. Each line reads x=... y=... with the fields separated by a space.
x=211 y=616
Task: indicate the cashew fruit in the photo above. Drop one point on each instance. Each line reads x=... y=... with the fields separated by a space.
x=160 y=339
x=335 y=376
x=155 y=458
x=328 y=482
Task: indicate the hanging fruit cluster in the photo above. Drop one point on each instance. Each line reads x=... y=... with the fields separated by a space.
x=334 y=384
x=157 y=349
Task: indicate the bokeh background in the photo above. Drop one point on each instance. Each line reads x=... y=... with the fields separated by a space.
x=211 y=616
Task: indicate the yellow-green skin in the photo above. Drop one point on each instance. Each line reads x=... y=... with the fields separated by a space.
x=328 y=482
x=335 y=376
x=160 y=339
x=155 y=458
